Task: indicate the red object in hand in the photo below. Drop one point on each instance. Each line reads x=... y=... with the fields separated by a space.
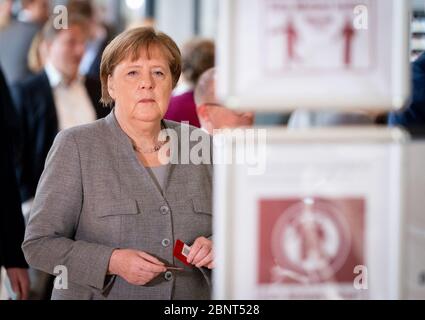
x=181 y=251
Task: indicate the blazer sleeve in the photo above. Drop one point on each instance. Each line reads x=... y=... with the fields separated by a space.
x=49 y=238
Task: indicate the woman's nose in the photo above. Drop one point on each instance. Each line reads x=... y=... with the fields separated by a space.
x=146 y=82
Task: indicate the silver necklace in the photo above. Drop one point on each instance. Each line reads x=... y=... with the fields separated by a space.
x=154 y=149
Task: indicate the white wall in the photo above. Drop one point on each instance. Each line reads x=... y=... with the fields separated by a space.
x=208 y=19
x=175 y=18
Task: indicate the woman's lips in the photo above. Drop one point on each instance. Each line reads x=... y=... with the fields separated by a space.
x=146 y=100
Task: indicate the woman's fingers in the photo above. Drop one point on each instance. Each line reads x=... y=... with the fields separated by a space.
x=146 y=265
x=202 y=253
x=199 y=250
x=206 y=260
x=149 y=258
x=146 y=277
x=151 y=267
x=150 y=263
x=194 y=249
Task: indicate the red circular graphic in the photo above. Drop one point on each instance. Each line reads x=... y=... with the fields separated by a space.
x=311 y=239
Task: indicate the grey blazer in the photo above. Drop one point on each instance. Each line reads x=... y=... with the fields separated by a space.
x=94 y=196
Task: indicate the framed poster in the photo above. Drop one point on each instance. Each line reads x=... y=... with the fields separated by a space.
x=279 y=55
x=322 y=219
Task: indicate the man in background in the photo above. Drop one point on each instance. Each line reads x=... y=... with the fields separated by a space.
x=99 y=35
x=212 y=114
x=198 y=55
x=55 y=99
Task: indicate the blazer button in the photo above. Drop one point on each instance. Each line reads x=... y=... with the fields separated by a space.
x=165 y=242
x=164 y=210
x=168 y=276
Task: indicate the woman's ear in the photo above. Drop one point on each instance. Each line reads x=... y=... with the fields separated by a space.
x=111 y=87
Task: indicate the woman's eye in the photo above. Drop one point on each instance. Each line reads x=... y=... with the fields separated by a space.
x=132 y=73
x=158 y=73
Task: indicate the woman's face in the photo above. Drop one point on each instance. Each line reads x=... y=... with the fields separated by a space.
x=142 y=88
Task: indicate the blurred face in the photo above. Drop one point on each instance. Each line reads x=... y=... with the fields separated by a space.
x=39 y=10
x=66 y=50
x=142 y=88
x=220 y=117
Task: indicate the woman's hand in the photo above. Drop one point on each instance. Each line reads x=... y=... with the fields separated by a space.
x=135 y=267
x=201 y=253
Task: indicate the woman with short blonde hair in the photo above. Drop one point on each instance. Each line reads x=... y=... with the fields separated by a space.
x=107 y=209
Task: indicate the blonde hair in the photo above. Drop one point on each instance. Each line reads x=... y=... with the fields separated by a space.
x=36 y=58
x=128 y=44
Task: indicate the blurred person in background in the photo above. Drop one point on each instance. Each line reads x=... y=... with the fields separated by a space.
x=212 y=114
x=198 y=55
x=16 y=38
x=413 y=116
x=11 y=219
x=57 y=98
x=99 y=36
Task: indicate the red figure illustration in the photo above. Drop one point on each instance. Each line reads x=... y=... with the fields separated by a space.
x=313 y=238
x=292 y=37
x=348 y=34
